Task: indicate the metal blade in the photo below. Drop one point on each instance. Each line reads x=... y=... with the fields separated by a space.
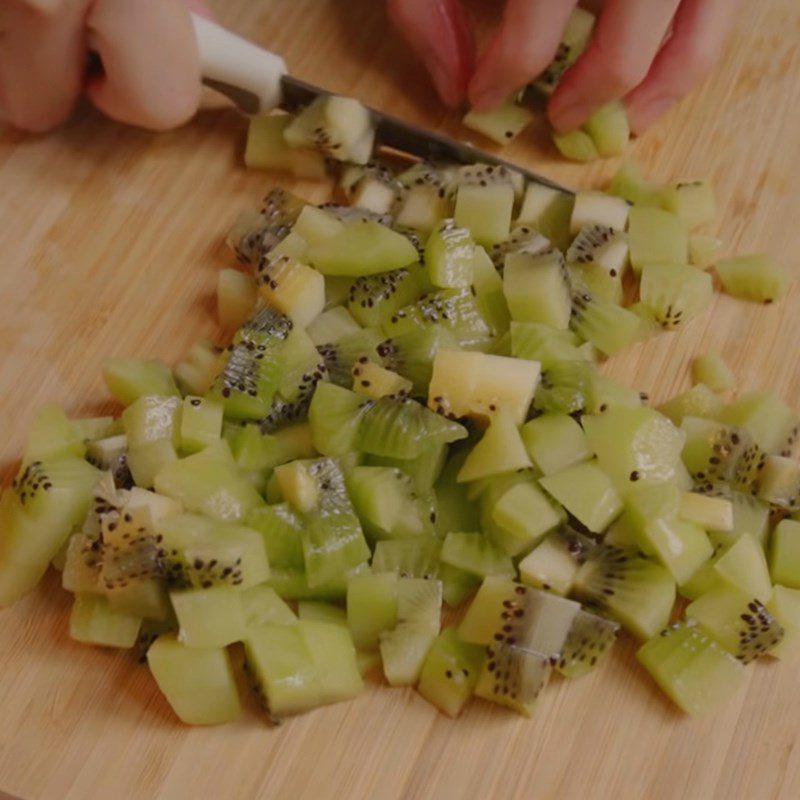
x=394 y=134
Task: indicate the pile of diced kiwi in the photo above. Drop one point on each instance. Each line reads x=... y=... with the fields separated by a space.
x=407 y=414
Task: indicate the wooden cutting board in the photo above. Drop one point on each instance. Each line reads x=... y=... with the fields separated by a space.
x=110 y=240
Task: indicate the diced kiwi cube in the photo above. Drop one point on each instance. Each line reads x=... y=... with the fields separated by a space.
x=784 y=560
x=526 y=514
x=554 y=442
x=371 y=607
x=93 y=621
x=209 y=617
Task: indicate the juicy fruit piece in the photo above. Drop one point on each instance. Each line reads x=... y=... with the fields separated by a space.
x=450 y=672
x=779 y=482
x=587 y=493
x=449 y=256
x=292 y=288
x=541 y=343
x=656 y=237
x=765 y=416
x=197 y=682
x=536 y=289
x=338 y=126
x=332 y=325
x=589 y=639
x=576 y=145
x=267 y=149
x=608 y=326
x=473 y=384
x=691 y=668
x=513 y=677
x=524 y=515
x=635 y=444
x=485 y=210
x=208 y=482
x=593 y=209
x=553 y=564
x=548 y=210
x=629 y=183
x=699 y=401
x=209 y=617
x=711 y=513
x=563 y=388
x=555 y=442
x=785 y=607
x=475 y=554
x=236 y=298
x=508 y=613
x=502 y=124
x=784 y=554
x=741 y=624
x=93 y=621
x=128 y=379
x=362 y=248
x=756 y=278
x=408 y=558
x=691 y=202
x=500 y=450
x=373 y=381
x=334 y=659
x=201 y=423
x=335 y=415
x=52 y=434
x=322 y=612
x=712 y=371
x=633 y=590
x=608 y=127
x=371 y=607
x=198 y=370
x=744 y=566
x=703 y=250
x=48 y=499
x=573 y=42
x=675 y=294
x=261 y=605
x=372 y=299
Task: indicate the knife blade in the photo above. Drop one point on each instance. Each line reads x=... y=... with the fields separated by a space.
x=257 y=81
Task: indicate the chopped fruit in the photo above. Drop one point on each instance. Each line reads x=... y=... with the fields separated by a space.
x=756 y=278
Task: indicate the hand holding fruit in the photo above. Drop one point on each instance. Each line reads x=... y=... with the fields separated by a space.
x=650 y=52
x=151 y=71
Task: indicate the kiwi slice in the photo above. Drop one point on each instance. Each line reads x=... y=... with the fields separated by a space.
x=374 y=298
x=589 y=640
x=449 y=256
x=636 y=592
x=417 y=557
x=93 y=621
x=549 y=211
x=553 y=564
x=279 y=526
x=128 y=379
x=675 y=294
x=757 y=278
x=262 y=605
x=656 y=237
x=412 y=354
x=608 y=326
x=769 y=420
x=536 y=288
x=563 y=388
x=690 y=666
x=779 y=483
x=209 y=617
x=502 y=124
x=691 y=201
x=341 y=357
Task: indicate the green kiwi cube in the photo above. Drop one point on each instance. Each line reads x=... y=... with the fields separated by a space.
x=675 y=294
x=608 y=127
x=710 y=513
x=93 y=621
x=766 y=416
x=695 y=672
x=53 y=434
x=703 y=580
x=201 y=423
x=542 y=343
x=280 y=527
x=598 y=208
x=386 y=502
x=321 y=612
x=128 y=379
x=608 y=326
x=589 y=640
x=81 y=570
x=147 y=459
x=457 y=584
x=784 y=554
x=785 y=607
x=236 y=297
x=417 y=557
x=552 y=564
x=526 y=514
x=197 y=682
x=334 y=658
x=681 y=546
x=574 y=41
x=515 y=615
x=291 y=583
x=267 y=149
x=555 y=442
x=333 y=545
x=744 y=566
x=292 y=288
x=371 y=607
x=587 y=492
x=315 y=225
x=780 y=482
x=699 y=401
x=372 y=299
x=403 y=652
x=261 y=605
x=450 y=672
x=536 y=289
x=502 y=124
x=711 y=370
x=703 y=250
x=604 y=393
x=151 y=418
x=209 y=617
x=739 y=622
x=332 y=325
x=756 y=277
x=485 y=211
x=656 y=237
x=513 y=677
x=549 y=211
x=282 y=669
x=501 y=449
x=692 y=202
x=454 y=510
x=476 y=554
x=576 y=145
x=144 y=597
x=362 y=248
x=335 y=415
x=424 y=470
x=197 y=371
x=629 y=183
x=635 y=591
x=449 y=256
x=635 y=444
x=209 y=482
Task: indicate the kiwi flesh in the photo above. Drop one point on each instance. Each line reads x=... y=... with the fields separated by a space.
x=502 y=124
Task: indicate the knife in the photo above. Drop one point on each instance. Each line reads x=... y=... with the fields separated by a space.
x=258 y=81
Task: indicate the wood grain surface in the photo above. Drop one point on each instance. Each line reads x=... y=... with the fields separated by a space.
x=110 y=240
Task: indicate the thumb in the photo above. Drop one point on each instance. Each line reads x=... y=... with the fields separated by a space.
x=439 y=33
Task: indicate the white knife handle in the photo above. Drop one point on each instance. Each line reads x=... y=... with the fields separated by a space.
x=229 y=59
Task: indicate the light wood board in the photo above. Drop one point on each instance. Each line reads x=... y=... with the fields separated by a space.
x=110 y=240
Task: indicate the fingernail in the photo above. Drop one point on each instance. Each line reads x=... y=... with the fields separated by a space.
x=443 y=82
